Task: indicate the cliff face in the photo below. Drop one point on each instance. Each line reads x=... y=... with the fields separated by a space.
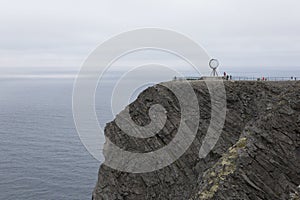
x=257 y=155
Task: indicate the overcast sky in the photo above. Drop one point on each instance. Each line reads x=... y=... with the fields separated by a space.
x=62 y=33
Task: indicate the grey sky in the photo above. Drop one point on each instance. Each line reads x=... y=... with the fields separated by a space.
x=62 y=33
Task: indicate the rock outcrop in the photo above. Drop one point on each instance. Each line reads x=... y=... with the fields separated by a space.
x=256 y=157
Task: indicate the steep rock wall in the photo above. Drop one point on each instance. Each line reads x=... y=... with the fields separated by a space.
x=256 y=157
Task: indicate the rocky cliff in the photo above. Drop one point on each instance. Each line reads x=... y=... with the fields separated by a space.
x=256 y=157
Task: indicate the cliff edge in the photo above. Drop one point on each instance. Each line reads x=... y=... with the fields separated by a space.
x=256 y=157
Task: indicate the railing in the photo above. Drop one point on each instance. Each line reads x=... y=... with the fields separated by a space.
x=245 y=78
x=241 y=78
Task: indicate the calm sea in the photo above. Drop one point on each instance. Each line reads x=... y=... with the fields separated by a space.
x=41 y=156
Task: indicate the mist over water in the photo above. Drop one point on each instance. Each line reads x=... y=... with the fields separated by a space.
x=184 y=68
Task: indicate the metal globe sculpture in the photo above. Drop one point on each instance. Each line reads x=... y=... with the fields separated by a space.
x=214 y=64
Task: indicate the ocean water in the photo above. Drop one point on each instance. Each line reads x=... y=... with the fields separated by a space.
x=40 y=151
x=41 y=156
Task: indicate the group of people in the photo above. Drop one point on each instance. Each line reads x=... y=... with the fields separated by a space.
x=227 y=77
x=263 y=79
x=293 y=78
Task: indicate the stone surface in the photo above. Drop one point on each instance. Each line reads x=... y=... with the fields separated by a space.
x=256 y=157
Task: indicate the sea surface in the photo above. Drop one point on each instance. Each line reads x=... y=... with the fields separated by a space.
x=41 y=155
x=40 y=151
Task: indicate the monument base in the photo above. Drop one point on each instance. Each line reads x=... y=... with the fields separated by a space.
x=212 y=78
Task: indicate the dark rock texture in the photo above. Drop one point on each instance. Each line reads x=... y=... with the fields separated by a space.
x=256 y=157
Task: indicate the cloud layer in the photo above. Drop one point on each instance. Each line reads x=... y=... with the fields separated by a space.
x=240 y=33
